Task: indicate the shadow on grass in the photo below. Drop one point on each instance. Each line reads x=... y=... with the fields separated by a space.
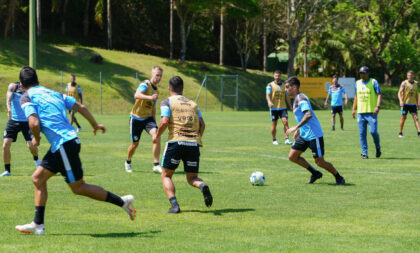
x=114 y=235
x=398 y=158
x=333 y=184
x=220 y=212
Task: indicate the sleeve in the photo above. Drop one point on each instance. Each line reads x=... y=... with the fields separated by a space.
x=376 y=86
x=329 y=91
x=69 y=101
x=199 y=113
x=355 y=88
x=142 y=87
x=268 y=89
x=304 y=104
x=165 y=108
x=28 y=107
x=79 y=89
x=344 y=90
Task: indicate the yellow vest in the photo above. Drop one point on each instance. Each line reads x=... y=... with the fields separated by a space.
x=73 y=91
x=278 y=95
x=366 y=97
x=409 y=92
x=184 y=124
x=144 y=108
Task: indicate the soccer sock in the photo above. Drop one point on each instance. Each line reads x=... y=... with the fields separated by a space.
x=129 y=162
x=274 y=139
x=337 y=176
x=155 y=164
x=312 y=169
x=35 y=158
x=39 y=214
x=7 y=167
x=78 y=126
x=114 y=199
x=173 y=201
x=201 y=186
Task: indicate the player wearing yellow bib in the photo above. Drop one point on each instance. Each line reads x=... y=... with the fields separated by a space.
x=186 y=126
x=277 y=96
x=143 y=117
x=74 y=90
x=368 y=102
x=409 y=101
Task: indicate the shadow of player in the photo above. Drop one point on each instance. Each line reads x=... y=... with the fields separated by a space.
x=220 y=212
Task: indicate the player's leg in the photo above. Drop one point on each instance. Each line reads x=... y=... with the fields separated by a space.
x=151 y=128
x=295 y=153
x=274 y=131
x=373 y=129
x=71 y=117
x=402 y=121
x=333 y=121
x=341 y=118
x=170 y=161
x=7 y=142
x=136 y=127
x=284 y=119
x=362 y=124
x=416 y=120
x=75 y=121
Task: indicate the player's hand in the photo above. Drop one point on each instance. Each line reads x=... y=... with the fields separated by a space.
x=376 y=111
x=36 y=142
x=325 y=105
x=99 y=127
x=290 y=130
x=270 y=105
x=401 y=104
x=155 y=96
x=9 y=113
x=353 y=113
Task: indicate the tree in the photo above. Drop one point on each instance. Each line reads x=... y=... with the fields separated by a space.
x=86 y=19
x=109 y=27
x=10 y=17
x=38 y=19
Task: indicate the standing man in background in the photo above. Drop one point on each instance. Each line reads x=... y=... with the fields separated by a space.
x=336 y=92
x=277 y=96
x=74 y=90
x=409 y=101
x=368 y=102
x=143 y=117
x=17 y=123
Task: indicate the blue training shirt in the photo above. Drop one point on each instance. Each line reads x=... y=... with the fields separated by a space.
x=312 y=129
x=17 y=112
x=336 y=93
x=51 y=108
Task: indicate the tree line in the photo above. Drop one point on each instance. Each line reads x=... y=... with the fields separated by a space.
x=321 y=37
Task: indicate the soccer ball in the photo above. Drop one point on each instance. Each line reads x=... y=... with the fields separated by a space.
x=257 y=178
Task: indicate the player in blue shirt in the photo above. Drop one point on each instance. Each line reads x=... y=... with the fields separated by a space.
x=17 y=123
x=308 y=133
x=46 y=113
x=336 y=91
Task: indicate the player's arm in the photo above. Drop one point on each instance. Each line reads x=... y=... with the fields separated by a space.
x=345 y=98
x=163 y=124
x=9 y=96
x=400 y=94
x=378 y=104
x=326 y=100
x=83 y=110
x=35 y=127
x=140 y=95
x=81 y=96
x=418 y=100
x=154 y=112
x=353 y=111
x=289 y=102
x=296 y=135
x=267 y=96
x=306 y=117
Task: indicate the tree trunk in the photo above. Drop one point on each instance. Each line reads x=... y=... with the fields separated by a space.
x=305 y=59
x=221 y=34
x=86 y=19
x=171 y=28
x=293 y=45
x=10 y=17
x=183 y=51
x=38 y=19
x=264 y=45
x=63 y=18
x=109 y=24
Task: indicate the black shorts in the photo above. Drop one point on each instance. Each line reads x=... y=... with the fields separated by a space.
x=276 y=114
x=13 y=127
x=137 y=127
x=337 y=109
x=65 y=160
x=188 y=152
x=316 y=145
x=408 y=109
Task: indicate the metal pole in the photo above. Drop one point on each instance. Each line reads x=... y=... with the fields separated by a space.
x=221 y=94
x=205 y=94
x=237 y=94
x=32 y=35
x=100 y=92
x=61 y=82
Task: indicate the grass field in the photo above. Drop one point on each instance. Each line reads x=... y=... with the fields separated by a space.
x=377 y=211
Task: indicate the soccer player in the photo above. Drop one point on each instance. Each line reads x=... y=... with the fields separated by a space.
x=276 y=97
x=46 y=113
x=368 y=102
x=186 y=126
x=143 y=117
x=409 y=101
x=74 y=90
x=308 y=133
x=17 y=123
x=336 y=92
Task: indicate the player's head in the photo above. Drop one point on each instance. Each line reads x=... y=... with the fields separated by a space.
x=28 y=77
x=410 y=75
x=364 y=72
x=176 y=85
x=335 y=79
x=72 y=78
x=156 y=74
x=292 y=85
x=277 y=75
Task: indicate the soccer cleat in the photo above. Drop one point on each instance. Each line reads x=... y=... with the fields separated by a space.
x=129 y=206
x=31 y=228
x=79 y=129
x=288 y=142
x=6 y=174
x=363 y=156
x=275 y=142
x=400 y=135
x=208 y=199
x=340 y=181
x=378 y=152
x=174 y=209
x=128 y=167
x=342 y=129
x=315 y=177
x=157 y=169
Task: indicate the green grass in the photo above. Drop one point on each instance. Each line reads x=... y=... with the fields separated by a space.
x=377 y=211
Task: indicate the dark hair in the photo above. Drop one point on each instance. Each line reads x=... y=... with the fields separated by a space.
x=277 y=71
x=28 y=77
x=410 y=71
x=334 y=76
x=73 y=75
x=176 y=84
x=293 y=81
